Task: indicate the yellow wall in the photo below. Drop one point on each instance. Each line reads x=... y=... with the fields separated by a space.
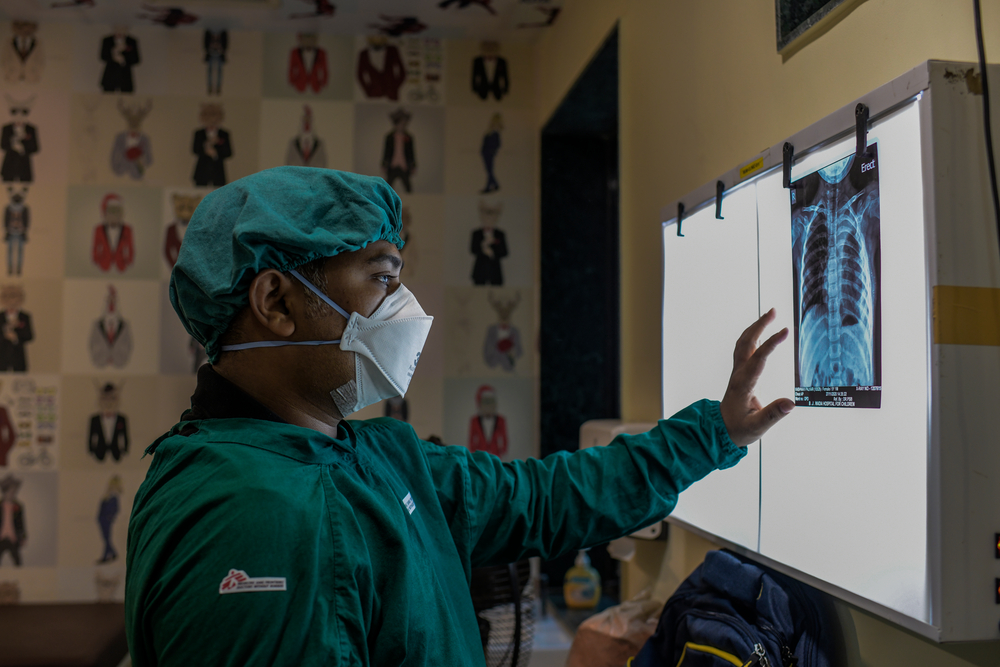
x=701 y=89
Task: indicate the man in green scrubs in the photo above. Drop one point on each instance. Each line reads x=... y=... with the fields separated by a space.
x=272 y=531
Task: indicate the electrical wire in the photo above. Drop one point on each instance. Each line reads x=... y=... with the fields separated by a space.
x=986 y=114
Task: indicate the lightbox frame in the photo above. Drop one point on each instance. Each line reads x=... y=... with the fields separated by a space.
x=912 y=87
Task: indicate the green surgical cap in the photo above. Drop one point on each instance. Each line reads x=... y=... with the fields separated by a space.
x=275 y=219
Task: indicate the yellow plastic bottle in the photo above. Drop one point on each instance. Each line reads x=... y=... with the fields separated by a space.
x=582 y=584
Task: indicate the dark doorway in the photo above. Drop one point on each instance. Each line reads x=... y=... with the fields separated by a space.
x=579 y=262
x=579 y=270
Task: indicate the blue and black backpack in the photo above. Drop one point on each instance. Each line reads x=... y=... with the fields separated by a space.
x=734 y=612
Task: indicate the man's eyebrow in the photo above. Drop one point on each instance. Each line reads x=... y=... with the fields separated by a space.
x=396 y=262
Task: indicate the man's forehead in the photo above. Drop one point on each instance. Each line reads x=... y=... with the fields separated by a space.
x=374 y=253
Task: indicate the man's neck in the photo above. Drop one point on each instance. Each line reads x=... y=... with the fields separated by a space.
x=286 y=402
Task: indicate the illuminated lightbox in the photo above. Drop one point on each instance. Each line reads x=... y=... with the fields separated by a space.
x=883 y=485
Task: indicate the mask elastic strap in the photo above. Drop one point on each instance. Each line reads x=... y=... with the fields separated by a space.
x=315 y=290
x=276 y=343
x=282 y=343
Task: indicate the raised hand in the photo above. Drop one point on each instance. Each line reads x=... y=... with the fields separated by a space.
x=745 y=419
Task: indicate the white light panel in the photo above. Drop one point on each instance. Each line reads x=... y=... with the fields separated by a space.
x=842 y=491
x=710 y=283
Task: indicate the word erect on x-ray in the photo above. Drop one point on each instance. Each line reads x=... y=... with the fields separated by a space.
x=836 y=277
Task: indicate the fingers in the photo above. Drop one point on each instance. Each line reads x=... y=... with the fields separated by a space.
x=755 y=364
x=761 y=421
x=746 y=371
x=745 y=419
x=747 y=342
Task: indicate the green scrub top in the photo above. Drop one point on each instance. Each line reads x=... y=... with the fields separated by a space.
x=258 y=542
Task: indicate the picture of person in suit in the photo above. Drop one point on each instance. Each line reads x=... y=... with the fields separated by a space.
x=107 y=512
x=111 y=335
x=489 y=72
x=16 y=221
x=307 y=68
x=489 y=246
x=113 y=244
x=212 y=146
x=489 y=150
x=184 y=206
x=380 y=69
x=398 y=152
x=16 y=327
x=215 y=42
x=13 y=535
x=8 y=434
x=502 y=345
x=18 y=141
x=487 y=429
x=109 y=427
x=120 y=53
x=132 y=152
x=306 y=149
x=22 y=59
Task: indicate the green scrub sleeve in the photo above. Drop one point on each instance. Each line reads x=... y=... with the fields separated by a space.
x=568 y=501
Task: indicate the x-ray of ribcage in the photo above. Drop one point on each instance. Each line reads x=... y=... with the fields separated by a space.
x=835 y=257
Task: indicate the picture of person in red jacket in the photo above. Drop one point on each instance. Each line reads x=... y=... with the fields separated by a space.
x=380 y=69
x=307 y=67
x=487 y=430
x=113 y=242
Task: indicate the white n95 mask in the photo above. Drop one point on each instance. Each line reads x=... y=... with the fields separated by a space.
x=386 y=347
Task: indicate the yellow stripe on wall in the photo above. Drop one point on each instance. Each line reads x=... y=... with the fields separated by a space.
x=966 y=315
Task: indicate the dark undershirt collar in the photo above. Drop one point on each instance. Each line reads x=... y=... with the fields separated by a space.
x=215 y=397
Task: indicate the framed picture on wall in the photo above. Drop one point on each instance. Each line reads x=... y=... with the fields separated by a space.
x=794 y=18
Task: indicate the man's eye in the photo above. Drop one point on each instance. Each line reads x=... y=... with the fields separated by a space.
x=385 y=279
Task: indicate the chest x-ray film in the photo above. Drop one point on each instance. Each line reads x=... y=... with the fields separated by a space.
x=837 y=286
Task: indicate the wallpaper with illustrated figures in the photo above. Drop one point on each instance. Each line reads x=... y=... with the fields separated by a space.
x=110 y=137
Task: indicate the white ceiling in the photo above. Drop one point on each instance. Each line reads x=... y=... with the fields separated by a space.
x=520 y=20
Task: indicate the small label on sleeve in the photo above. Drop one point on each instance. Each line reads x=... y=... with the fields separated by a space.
x=409 y=504
x=237 y=581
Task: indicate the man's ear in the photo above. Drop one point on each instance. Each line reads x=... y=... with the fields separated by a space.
x=270 y=295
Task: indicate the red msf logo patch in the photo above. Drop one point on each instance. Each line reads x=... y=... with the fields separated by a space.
x=232 y=580
x=237 y=581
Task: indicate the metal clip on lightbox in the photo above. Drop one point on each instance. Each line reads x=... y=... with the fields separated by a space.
x=871 y=233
